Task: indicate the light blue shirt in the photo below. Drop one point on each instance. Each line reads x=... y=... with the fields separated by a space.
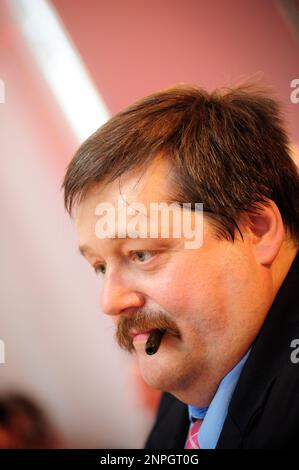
x=214 y=415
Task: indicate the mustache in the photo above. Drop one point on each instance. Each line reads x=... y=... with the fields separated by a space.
x=142 y=321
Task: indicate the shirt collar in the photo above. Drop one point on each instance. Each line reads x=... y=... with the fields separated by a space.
x=228 y=384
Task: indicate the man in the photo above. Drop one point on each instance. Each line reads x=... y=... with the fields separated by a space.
x=229 y=307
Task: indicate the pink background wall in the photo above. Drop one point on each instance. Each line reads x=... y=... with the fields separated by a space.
x=135 y=47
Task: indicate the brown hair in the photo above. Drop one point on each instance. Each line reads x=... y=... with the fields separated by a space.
x=228 y=149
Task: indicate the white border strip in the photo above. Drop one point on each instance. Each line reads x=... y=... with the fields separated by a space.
x=61 y=66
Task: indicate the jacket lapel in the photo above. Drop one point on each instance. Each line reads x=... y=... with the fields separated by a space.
x=171 y=427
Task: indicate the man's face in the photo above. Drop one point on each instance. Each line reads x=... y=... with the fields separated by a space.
x=211 y=297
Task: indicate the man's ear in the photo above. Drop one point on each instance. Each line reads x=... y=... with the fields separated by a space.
x=267 y=232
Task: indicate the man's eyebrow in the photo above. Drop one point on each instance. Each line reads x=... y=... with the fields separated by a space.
x=84 y=248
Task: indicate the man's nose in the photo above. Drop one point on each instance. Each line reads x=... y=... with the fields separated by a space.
x=119 y=294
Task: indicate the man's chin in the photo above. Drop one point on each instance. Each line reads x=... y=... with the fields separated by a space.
x=155 y=369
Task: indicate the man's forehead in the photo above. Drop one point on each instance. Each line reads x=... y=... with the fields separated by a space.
x=141 y=186
x=139 y=202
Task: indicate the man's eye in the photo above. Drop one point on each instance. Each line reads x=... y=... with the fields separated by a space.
x=143 y=255
x=140 y=256
x=100 y=269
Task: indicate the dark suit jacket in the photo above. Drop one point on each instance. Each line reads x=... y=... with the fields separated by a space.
x=264 y=409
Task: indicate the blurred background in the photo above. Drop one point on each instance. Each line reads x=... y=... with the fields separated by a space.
x=65 y=67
